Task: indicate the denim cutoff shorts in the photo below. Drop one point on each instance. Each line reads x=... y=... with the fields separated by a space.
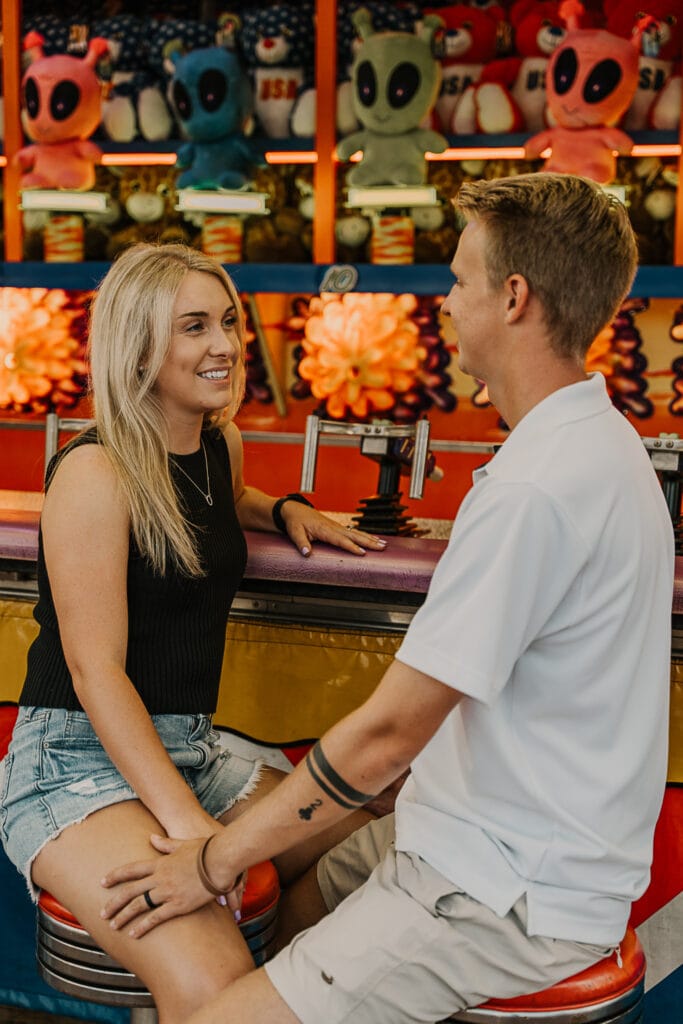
x=57 y=772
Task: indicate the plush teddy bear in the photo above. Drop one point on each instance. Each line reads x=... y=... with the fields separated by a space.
x=99 y=225
x=211 y=98
x=148 y=196
x=657 y=100
x=652 y=208
x=395 y=83
x=135 y=105
x=54 y=30
x=590 y=83
x=285 y=236
x=538 y=30
x=62 y=109
x=468 y=41
x=277 y=46
x=351 y=232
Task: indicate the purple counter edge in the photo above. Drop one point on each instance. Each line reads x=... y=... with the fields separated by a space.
x=407 y=563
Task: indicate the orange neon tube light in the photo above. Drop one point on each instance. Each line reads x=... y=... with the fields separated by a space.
x=517 y=152
x=168 y=159
x=672 y=149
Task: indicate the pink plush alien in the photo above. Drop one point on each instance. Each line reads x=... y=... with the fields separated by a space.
x=62 y=107
x=590 y=82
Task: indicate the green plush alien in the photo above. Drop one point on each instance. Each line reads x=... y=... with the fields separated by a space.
x=395 y=80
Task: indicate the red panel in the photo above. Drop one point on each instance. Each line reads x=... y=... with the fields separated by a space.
x=667 y=866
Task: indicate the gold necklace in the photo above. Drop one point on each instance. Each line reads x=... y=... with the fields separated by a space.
x=205 y=495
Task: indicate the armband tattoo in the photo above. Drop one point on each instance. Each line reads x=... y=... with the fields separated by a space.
x=332 y=783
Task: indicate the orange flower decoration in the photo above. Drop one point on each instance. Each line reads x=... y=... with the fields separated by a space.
x=39 y=355
x=600 y=357
x=361 y=351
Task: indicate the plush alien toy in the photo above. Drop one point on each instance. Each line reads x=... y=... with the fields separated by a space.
x=395 y=81
x=62 y=108
x=211 y=97
x=590 y=82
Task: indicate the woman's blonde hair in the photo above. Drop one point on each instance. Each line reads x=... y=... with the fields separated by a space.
x=131 y=323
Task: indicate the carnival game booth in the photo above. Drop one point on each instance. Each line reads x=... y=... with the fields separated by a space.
x=308 y=640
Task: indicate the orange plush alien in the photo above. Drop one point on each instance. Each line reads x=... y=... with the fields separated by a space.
x=590 y=82
x=61 y=108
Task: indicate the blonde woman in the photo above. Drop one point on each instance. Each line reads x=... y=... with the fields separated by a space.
x=141 y=552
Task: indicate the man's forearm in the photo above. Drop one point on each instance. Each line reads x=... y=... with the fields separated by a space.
x=344 y=770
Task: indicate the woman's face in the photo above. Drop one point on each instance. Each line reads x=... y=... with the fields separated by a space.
x=196 y=376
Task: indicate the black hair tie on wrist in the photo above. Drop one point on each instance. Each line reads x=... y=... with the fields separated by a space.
x=277 y=509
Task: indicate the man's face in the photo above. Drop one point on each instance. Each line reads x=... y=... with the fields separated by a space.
x=472 y=304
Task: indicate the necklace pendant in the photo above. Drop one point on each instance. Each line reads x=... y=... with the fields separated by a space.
x=207 y=496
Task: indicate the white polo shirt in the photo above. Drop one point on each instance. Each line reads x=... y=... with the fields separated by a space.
x=551 y=611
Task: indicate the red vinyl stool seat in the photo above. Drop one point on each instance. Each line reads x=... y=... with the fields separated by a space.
x=8 y=716
x=71 y=961
x=605 y=993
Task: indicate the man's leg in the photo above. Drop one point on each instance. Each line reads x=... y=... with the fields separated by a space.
x=408 y=945
x=301 y=906
x=258 y=1002
x=339 y=872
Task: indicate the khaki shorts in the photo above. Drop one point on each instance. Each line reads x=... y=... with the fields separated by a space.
x=408 y=945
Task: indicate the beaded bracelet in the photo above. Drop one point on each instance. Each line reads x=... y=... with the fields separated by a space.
x=277 y=509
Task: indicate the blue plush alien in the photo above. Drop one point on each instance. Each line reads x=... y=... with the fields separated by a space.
x=211 y=97
x=395 y=80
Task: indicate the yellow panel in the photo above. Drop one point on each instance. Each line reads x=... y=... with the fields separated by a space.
x=676 y=723
x=17 y=630
x=281 y=684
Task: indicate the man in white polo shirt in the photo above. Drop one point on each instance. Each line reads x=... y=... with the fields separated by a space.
x=529 y=696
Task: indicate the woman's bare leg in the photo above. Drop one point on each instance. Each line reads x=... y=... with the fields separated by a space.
x=185 y=961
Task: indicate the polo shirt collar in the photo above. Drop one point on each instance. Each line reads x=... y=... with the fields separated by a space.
x=566 y=405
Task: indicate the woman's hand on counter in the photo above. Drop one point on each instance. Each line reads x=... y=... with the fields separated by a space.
x=306 y=525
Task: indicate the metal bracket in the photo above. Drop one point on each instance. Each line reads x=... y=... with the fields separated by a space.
x=366 y=432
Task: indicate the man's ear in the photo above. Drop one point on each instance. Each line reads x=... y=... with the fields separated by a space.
x=516 y=297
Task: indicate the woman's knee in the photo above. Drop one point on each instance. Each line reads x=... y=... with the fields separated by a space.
x=182 y=987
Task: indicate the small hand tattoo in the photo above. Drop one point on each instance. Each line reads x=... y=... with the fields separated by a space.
x=306 y=812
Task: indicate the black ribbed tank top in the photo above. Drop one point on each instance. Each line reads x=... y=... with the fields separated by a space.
x=176 y=625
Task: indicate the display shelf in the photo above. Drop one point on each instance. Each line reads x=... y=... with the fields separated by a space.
x=307 y=278
x=318 y=150
x=665 y=143
x=645 y=143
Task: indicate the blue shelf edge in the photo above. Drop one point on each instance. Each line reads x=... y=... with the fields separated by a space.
x=307 y=278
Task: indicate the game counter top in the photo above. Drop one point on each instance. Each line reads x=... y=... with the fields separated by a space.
x=406 y=565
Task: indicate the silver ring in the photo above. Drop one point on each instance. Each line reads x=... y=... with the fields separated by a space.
x=149 y=901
